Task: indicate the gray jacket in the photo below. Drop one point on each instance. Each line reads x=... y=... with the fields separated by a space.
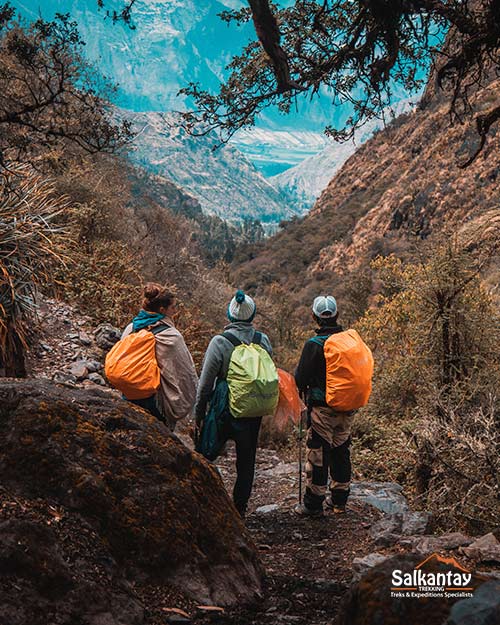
x=216 y=361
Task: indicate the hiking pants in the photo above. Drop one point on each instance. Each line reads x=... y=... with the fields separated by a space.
x=149 y=404
x=328 y=452
x=245 y=434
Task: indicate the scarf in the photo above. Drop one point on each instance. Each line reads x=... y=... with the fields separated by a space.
x=144 y=319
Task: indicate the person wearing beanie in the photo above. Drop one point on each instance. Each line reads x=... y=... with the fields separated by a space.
x=328 y=435
x=244 y=431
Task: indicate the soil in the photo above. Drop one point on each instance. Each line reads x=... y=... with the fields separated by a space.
x=307 y=562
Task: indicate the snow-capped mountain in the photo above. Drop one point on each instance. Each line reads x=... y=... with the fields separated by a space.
x=173 y=42
x=224 y=182
x=304 y=182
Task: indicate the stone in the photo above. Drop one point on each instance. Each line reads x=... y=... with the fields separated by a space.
x=361 y=565
x=130 y=488
x=97 y=379
x=485 y=549
x=64 y=377
x=84 y=338
x=94 y=365
x=79 y=370
x=178 y=619
x=482 y=609
x=106 y=335
x=389 y=529
x=369 y=602
x=40 y=581
x=272 y=507
x=385 y=496
x=281 y=469
x=429 y=544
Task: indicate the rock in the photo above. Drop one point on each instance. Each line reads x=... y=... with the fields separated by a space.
x=79 y=370
x=482 y=609
x=39 y=581
x=106 y=336
x=485 y=549
x=290 y=468
x=129 y=487
x=389 y=529
x=94 y=365
x=177 y=619
x=272 y=507
x=64 y=377
x=369 y=600
x=97 y=379
x=429 y=544
x=322 y=584
x=385 y=496
x=490 y=574
x=361 y=565
x=84 y=338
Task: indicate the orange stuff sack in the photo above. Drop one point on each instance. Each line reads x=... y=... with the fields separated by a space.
x=131 y=365
x=289 y=404
x=349 y=371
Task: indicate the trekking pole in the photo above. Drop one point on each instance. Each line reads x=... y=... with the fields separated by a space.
x=300 y=458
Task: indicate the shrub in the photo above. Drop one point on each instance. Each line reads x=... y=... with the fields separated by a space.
x=436 y=335
x=29 y=209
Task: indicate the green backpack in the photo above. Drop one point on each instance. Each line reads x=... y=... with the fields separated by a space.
x=252 y=379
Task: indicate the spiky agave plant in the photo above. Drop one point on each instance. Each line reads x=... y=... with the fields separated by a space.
x=29 y=207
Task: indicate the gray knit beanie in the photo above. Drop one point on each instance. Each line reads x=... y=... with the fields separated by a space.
x=241 y=307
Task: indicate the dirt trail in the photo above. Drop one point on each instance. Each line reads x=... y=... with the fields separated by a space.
x=308 y=562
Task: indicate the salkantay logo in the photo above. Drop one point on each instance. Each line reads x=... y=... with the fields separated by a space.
x=420 y=583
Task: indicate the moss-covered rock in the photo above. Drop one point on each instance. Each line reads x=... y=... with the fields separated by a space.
x=160 y=512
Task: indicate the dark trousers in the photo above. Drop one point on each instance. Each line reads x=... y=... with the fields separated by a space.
x=322 y=459
x=149 y=404
x=245 y=434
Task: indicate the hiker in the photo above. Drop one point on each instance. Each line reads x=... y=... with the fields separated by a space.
x=176 y=394
x=216 y=368
x=329 y=421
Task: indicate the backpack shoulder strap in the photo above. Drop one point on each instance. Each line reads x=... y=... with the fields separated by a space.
x=157 y=329
x=232 y=339
x=257 y=337
x=320 y=340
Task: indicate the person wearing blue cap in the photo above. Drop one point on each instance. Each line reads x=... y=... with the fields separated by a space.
x=329 y=431
x=244 y=431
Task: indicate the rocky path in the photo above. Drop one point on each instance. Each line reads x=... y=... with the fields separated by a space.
x=308 y=562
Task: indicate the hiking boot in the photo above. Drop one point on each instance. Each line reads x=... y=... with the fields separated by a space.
x=334 y=507
x=302 y=510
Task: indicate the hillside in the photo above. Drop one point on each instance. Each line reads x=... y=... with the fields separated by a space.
x=305 y=182
x=224 y=182
x=402 y=186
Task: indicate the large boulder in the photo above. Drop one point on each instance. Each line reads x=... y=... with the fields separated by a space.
x=158 y=513
x=370 y=599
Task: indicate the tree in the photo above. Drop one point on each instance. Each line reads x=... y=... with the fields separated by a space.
x=48 y=95
x=357 y=49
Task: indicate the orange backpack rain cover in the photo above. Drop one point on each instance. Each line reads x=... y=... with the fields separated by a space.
x=131 y=365
x=289 y=405
x=349 y=371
